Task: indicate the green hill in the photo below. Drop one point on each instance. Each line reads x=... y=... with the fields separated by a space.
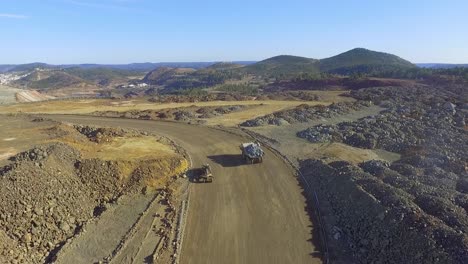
x=224 y=66
x=174 y=79
x=283 y=65
x=160 y=75
x=102 y=76
x=49 y=80
x=363 y=61
x=279 y=67
x=45 y=78
x=358 y=60
x=30 y=67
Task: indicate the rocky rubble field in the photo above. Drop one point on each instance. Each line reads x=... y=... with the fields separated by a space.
x=222 y=96
x=305 y=113
x=191 y=114
x=196 y=98
x=48 y=193
x=382 y=216
x=415 y=209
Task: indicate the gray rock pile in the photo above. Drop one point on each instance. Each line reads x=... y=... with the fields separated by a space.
x=305 y=113
x=191 y=114
x=254 y=151
x=414 y=210
x=318 y=134
x=413 y=120
x=98 y=134
x=383 y=216
x=49 y=192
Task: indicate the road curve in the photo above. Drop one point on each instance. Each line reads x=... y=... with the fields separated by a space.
x=249 y=214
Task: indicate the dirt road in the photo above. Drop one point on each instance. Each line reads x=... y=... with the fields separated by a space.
x=249 y=214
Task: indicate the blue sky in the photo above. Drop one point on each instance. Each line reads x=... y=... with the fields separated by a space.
x=123 y=31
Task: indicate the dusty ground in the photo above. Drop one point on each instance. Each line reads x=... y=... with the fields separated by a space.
x=259 y=108
x=249 y=214
x=87 y=90
x=19 y=135
x=136 y=229
x=11 y=95
x=7 y=94
x=92 y=168
x=244 y=209
x=25 y=96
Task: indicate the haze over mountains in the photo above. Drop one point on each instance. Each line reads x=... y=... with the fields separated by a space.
x=178 y=76
x=441 y=65
x=358 y=59
x=146 y=66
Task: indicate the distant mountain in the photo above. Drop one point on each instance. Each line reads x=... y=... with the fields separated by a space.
x=49 y=80
x=224 y=65
x=31 y=67
x=174 y=79
x=441 y=65
x=283 y=64
x=283 y=67
x=188 y=75
x=102 y=76
x=143 y=67
x=358 y=60
x=363 y=61
x=6 y=67
x=160 y=75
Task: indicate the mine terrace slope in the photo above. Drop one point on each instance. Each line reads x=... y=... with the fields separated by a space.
x=249 y=214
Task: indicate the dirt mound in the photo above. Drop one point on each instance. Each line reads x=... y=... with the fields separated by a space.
x=43 y=201
x=199 y=98
x=100 y=134
x=49 y=192
x=192 y=114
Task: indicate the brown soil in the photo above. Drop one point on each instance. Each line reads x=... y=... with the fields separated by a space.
x=246 y=206
x=49 y=192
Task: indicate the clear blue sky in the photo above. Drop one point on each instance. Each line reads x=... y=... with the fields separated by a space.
x=123 y=31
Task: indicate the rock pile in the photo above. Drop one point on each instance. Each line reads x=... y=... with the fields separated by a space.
x=49 y=192
x=166 y=98
x=319 y=134
x=42 y=202
x=305 y=113
x=99 y=135
x=415 y=209
x=412 y=121
x=386 y=217
x=254 y=151
x=185 y=114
